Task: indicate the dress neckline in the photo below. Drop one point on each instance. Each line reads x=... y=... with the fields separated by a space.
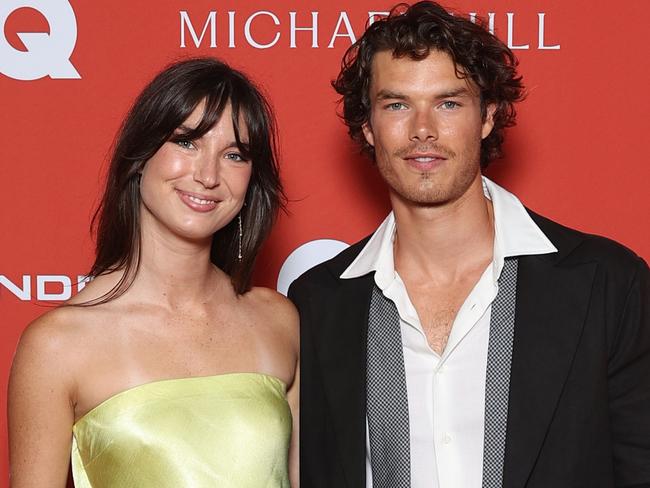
x=174 y=380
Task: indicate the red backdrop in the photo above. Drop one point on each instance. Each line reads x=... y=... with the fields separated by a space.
x=577 y=154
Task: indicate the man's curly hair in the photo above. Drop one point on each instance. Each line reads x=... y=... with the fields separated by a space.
x=416 y=30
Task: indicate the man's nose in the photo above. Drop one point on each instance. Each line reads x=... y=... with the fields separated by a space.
x=423 y=126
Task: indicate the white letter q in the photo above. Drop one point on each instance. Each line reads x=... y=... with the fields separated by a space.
x=46 y=54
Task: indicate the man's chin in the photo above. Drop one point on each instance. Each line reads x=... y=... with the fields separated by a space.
x=429 y=197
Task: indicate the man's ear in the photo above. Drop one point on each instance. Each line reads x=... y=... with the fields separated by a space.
x=367 y=133
x=488 y=122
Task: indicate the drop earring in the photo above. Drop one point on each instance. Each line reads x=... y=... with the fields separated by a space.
x=241 y=234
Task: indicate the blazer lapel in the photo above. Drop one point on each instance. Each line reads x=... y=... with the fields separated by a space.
x=341 y=350
x=552 y=303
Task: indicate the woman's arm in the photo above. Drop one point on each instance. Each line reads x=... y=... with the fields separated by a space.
x=40 y=406
x=293 y=396
x=283 y=357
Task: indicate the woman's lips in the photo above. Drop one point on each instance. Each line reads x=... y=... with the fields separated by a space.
x=197 y=202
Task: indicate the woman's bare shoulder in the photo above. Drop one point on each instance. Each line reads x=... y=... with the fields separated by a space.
x=269 y=300
x=55 y=334
x=49 y=355
x=277 y=310
x=64 y=335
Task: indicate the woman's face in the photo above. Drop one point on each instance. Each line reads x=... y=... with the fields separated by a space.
x=194 y=188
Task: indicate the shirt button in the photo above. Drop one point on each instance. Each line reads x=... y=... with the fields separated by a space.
x=446 y=439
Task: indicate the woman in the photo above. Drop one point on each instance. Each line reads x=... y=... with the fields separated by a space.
x=167 y=370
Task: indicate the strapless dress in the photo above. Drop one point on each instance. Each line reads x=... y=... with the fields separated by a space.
x=229 y=430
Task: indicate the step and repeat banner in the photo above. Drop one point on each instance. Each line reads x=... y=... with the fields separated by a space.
x=69 y=71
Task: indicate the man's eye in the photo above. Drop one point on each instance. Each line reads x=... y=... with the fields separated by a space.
x=185 y=144
x=396 y=106
x=450 y=104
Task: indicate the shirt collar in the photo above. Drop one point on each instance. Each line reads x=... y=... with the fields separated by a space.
x=376 y=255
x=516 y=234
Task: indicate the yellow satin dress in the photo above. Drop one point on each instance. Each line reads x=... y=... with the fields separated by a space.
x=229 y=430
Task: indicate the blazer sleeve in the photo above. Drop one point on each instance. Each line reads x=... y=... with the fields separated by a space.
x=629 y=385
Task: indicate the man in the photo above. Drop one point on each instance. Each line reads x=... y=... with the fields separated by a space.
x=468 y=342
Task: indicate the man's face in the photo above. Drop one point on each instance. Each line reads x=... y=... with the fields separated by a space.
x=426 y=127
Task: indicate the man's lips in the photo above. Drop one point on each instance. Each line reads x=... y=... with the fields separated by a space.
x=424 y=156
x=424 y=161
x=197 y=201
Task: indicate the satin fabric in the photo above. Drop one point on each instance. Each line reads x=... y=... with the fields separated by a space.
x=228 y=430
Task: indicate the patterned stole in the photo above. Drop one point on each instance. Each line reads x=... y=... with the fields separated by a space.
x=387 y=399
x=497 y=375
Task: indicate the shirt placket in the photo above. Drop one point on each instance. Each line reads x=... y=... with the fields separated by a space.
x=451 y=413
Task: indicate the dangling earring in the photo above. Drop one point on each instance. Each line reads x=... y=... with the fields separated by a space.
x=241 y=234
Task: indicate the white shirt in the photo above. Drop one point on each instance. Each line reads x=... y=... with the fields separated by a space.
x=446 y=394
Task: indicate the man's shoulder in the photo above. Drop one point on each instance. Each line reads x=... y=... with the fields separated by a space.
x=575 y=246
x=327 y=273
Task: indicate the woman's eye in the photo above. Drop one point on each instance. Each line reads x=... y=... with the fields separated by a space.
x=185 y=144
x=235 y=157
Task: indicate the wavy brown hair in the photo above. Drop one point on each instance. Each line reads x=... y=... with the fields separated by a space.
x=414 y=31
x=165 y=103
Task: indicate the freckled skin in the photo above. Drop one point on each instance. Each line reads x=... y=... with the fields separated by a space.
x=424 y=108
x=179 y=318
x=209 y=166
x=423 y=119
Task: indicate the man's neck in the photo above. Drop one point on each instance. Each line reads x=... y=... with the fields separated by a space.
x=443 y=242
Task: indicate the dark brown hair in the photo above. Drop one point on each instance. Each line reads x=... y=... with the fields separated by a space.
x=158 y=111
x=416 y=30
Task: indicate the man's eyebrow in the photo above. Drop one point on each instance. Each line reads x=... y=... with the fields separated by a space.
x=388 y=94
x=458 y=92
x=393 y=95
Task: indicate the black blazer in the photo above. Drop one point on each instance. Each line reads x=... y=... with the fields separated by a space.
x=579 y=405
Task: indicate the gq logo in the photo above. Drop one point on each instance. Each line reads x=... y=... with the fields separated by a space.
x=47 y=54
